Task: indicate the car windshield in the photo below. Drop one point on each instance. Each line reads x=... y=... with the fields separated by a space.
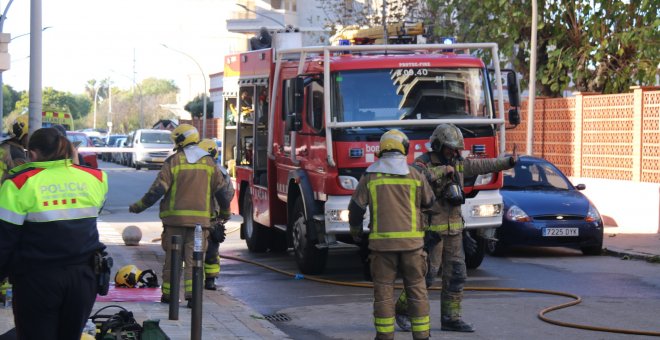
x=155 y=138
x=410 y=93
x=535 y=176
x=78 y=139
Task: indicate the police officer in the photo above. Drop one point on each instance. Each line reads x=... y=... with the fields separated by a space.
x=48 y=238
x=395 y=194
x=445 y=169
x=12 y=150
x=187 y=182
x=217 y=232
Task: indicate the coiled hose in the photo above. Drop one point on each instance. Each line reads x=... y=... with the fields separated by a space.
x=541 y=315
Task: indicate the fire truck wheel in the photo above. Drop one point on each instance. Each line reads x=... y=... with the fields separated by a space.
x=310 y=259
x=255 y=233
x=474 y=260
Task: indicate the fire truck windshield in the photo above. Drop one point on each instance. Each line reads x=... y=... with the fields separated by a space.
x=410 y=93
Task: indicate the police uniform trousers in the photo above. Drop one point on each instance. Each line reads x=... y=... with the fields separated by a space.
x=412 y=266
x=188 y=237
x=212 y=259
x=448 y=255
x=53 y=303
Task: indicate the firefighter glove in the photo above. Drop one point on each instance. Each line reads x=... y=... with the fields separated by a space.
x=218 y=232
x=224 y=215
x=431 y=239
x=135 y=208
x=469 y=243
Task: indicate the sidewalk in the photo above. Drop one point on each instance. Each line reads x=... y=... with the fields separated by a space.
x=223 y=316
x=638 y=246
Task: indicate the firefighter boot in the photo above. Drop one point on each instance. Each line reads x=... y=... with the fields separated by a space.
x=456 y=325
x=209 y=283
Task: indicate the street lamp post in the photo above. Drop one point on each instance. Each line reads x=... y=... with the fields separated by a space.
x=96 y=95
x=140 y=90
x=204 y=78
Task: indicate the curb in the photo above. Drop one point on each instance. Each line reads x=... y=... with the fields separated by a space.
x=628 y=255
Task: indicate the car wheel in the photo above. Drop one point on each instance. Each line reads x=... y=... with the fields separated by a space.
x=592 y=250
x=255 y=233
x=310 y=259
x=474 y=261
x=137 y=166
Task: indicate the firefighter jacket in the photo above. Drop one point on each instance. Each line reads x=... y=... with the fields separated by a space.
x=11 y=154
x=48 y=214
x=188 y=187
x=445 y=217
x=395 y=205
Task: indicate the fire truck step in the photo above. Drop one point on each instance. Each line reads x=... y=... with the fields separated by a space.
x=281 y=227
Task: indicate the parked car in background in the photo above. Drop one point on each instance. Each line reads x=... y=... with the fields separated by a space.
x=150 y=147
x=543 y=208
x=110 y=142
x=117 y=157
x=81 y=140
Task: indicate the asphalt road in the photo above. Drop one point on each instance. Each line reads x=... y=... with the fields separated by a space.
x=615 y=293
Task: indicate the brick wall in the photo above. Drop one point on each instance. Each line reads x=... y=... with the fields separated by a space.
x=597 y=136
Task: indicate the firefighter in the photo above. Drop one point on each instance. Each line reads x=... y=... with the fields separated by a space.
x=445 y=169
x=217 y=232
x=49 y=238
x=12 y=150
x=187 y=181
x=395 y=194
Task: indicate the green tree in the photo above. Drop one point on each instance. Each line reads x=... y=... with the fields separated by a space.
x=196 y=107
x=607 y=47
x=77 y=105
x=158 y=86
x=10 y=97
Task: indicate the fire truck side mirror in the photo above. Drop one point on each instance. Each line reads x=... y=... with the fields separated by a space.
x=295 y=98
x=512 y=88
x=514 y=116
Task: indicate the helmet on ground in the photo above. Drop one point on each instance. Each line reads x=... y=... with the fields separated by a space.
x=447 y=135
x=184 y=134
x=19 y=127
x=209 y=146
x=393 y=140
x=131 y=276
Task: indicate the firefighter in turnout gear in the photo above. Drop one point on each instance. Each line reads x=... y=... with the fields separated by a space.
x=395 y=194
x=12 y=150
x=445 y=169
x=218 y=220
x=188 y=182
x=49 y=239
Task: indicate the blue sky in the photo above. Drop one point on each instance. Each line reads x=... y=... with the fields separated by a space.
x=96 y=39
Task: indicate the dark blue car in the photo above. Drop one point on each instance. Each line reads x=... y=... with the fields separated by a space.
x=543 y=208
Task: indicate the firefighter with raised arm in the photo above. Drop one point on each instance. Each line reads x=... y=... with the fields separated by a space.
x=188 y=180
x=395 y=194
x=12 y=150
x=217 y=232
x=446 y=237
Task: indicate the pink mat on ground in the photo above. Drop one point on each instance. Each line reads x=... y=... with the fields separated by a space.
x=130 y=295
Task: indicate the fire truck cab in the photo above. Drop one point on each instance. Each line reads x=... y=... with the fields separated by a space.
x=302 y=125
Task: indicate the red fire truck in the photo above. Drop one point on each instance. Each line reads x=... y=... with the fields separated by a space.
x=302 y=125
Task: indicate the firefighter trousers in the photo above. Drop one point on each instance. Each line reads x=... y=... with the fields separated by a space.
x=448 y=255
x=412 y=266
x=212 y=259
x=188 y=236
x=53 y=303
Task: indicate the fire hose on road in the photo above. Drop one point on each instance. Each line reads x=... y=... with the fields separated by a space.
x=541 y=315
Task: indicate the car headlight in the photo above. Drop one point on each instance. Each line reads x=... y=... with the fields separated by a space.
x=348 y=182
x=336 y=215
x=486 y=210
x=517 y=215
x=592 y=214
x=483 y=179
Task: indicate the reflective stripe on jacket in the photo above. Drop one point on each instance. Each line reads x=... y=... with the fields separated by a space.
x=395 y=203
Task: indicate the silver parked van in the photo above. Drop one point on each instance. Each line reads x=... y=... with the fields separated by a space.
x=150 y=147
